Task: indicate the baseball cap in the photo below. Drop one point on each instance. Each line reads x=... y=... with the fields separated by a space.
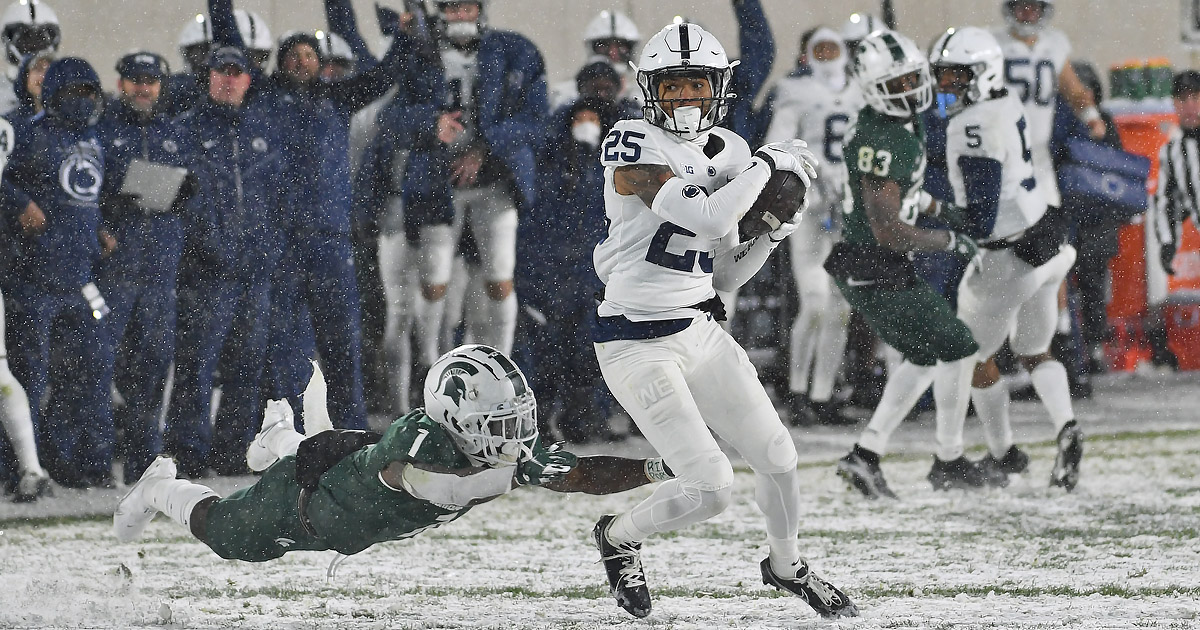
x=228 y=56
x=142 y=64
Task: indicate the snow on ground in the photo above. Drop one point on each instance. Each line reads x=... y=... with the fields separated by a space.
x=1121 y=552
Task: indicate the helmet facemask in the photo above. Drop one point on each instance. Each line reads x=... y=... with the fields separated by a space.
x=691 y=120
x=963 y=94
x=501 y=436
x=894 y=98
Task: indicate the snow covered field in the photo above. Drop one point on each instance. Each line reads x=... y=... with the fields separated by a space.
x=1121 y=552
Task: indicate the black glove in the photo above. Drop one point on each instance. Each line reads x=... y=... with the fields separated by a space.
x=389 y=20
x=1166 y=255
x=187 y=190
x=123 y=205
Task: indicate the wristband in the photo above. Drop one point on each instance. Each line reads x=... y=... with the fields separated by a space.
x=657 y=470
x=1090 y=113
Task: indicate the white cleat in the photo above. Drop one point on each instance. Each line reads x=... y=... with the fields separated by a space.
x=133 y=513
x=277 y=417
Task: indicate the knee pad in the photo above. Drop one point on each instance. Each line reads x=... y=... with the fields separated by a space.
x=709 y=503
x=709 y=471
x=777 y=455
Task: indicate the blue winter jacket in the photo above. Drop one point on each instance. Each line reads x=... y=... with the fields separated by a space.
x=232 y=223
x=316 y=118
x=61 y=169
x=148 y=245
x=757 y=54
x=512 y=108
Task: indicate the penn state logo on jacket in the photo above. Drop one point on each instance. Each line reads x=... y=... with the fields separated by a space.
x=82 y=172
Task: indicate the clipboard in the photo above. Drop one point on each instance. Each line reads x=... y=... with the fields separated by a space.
x=156 y=185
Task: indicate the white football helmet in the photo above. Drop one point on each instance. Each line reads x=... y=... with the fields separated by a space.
x=333 y=47
x=882 y=58
x=483 y=400
x=256 y=35
x=1026 y=29
x=611 y=25
x=976 y=50
x=28 y=28
x=685 y=48
x=195 y=38
x=858 y=26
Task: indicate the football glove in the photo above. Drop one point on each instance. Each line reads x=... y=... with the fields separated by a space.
x=547 y=465
x=1166 y=256
x=786 y=228
x=963 y=245
x=790 y=155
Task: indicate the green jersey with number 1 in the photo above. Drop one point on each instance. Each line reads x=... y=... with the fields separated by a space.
x=888 y=148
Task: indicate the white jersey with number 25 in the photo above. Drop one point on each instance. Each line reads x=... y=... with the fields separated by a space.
x=652 y=265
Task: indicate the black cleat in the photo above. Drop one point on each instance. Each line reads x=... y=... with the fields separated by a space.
x=996 y=471
x=1070 y=451
x=830 y=414
x=623 y=563
x=959 y=473
x=825 y=598
x=861 y=470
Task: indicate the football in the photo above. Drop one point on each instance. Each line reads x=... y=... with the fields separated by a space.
x=778 y=202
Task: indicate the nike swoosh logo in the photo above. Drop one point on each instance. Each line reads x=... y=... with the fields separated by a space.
x=859 y=283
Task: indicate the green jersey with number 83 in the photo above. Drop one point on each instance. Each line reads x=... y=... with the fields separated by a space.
x=885 y=147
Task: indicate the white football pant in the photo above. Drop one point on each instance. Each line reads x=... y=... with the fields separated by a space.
x=818 y=340
x=15 y=416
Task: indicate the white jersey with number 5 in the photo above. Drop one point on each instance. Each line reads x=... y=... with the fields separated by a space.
x=1031 y=73
x=997 y=130
x=653 y=268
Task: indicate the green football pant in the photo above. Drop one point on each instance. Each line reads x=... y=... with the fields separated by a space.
x=915 y=321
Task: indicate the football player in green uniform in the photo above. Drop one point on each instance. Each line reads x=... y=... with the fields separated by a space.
x=885 y=162
x=475 y=440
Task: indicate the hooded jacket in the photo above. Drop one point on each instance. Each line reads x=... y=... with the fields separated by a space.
x=60 y=167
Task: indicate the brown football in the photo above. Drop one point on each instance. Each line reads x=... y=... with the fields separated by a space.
x=778 y=202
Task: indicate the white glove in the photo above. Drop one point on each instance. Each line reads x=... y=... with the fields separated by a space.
x=785 y=229
x=790 y=155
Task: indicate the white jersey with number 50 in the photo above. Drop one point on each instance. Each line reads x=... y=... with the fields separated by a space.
x=653 y=268
x=997 y=130
x=1031 y=74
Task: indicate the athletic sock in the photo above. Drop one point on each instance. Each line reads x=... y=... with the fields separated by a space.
x=176 y=498
x=16 y=420
x=904 y=388
x=991 y=405
x=951 y=394
x=429 y=324
x=1050 y=382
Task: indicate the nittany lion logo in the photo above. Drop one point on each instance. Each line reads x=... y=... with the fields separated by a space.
x=81 y=174
x=170 y=147
x=258 y=144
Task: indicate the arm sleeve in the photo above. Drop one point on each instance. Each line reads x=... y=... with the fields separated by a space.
x=1165 y=207
x=224 y=25
x=981 y=178
x=757 y=48
x=508 y=130
x=461 y=488
x=715 y=215
x=734 y=266
x=341 y=19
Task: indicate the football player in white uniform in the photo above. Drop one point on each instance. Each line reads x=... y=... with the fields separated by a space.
x=1013 y=290
x=1036 y=71
x=818 y=108
x=610 y=37
x=27 y=27
x=675 y=187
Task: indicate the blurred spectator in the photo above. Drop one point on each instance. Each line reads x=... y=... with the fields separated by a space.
x=231 y=248
x=1096 y=242
x=337 y=60
x=27 y=27
x=52 y=184
x=190 y=86
x=756 y=54
x=611 y=38
x=138 y=280
x=476 y=115
x=30 y=75
x=317 y=270
x=557 y=279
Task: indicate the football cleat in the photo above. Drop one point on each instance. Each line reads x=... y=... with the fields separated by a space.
x=1065 y=473
x=825 y=598
x=864 y=474
x=623 y=563
x=133 y=512
x=959 y=473
x=993 y=472
x=33 y=485
x=277 y=417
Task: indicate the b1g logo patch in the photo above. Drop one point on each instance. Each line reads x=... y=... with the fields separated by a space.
x=82 y=173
